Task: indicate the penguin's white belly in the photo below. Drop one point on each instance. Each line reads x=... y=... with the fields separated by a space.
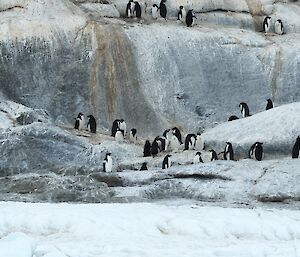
x=278 y=28
x=119 y=136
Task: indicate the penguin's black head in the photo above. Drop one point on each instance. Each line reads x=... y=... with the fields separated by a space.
x=121 y=120
x=279 y=21
x=169 y=155
x=228 y=143
x=198 y=153
x=108 y=154
x=155 y=5
x=259 y=143
x=269 y=100
x=180 y=7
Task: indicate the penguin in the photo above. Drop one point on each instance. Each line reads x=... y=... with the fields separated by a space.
x=163 y=9
x=119 y=136
x=233 y=117
x=181 y=14
x=144 y=166
x=154 y=11
x=122 y=126
x=133 y=136
x=256 y=151
x=147 y=148
x=269 y=104
x=296 y=149
x=79 y=123
x=214 y=155
x=279 y=27
x=228 y=152
x=166 y=162
x=129 y=8
x=154 y=148
x=115 y=126
x=162 y=143
x=267 y=24
x=174 y=143
x=190 y=18
x=166 y=132
x=176 y=132
x=198 y=158
x=244 y=109
x=92 y=126
x=190 y=142
x=199 y=142
x=137 y=10
x=107 y=163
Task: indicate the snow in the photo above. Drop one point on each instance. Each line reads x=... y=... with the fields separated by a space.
x=185 y=229
x=276 y=128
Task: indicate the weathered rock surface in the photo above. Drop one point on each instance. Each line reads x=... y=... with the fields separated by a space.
x=154 y=75
x=58 y=58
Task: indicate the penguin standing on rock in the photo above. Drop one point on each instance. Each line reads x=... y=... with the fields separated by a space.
x=162 y=143
x=190 y=18
x=107 y=163
x=154 y=148
x=256 y=151
x=119 y=136
x=154 y=11
x=79 y=123
x=199 y=145
x=144 y=166
x=166 y=162
x=181 y=14
x=133 y=136
x=115 y=127
x=244 y=110
x=176 y=133
x=269 y=104
x=137 y=10
x=190 y=142
x=267 y=24
x=228 y=152
x=122 y=126
x=163 y=9
x=92 y=126
x=129 y=9
x=198 y=158
x=214 y=155
x=147 y=148
x=279 y=27
x=296 y=149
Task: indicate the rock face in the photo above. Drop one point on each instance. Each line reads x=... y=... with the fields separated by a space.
x=154 y=76
x=61 y=57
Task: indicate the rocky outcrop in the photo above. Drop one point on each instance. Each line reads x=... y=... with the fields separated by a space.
x=154 y=75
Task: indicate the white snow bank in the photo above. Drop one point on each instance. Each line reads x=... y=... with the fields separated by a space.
x=146 y=230
x=277 y=128
x=16 y=244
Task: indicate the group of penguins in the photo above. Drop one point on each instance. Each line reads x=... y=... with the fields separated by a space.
x=172 y=140
x=133 y=9
x=278 y=26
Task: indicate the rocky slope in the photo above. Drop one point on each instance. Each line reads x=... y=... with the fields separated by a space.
x=66 y=58
x=58 y=58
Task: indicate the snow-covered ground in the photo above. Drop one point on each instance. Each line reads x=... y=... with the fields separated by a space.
x=64 y=230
